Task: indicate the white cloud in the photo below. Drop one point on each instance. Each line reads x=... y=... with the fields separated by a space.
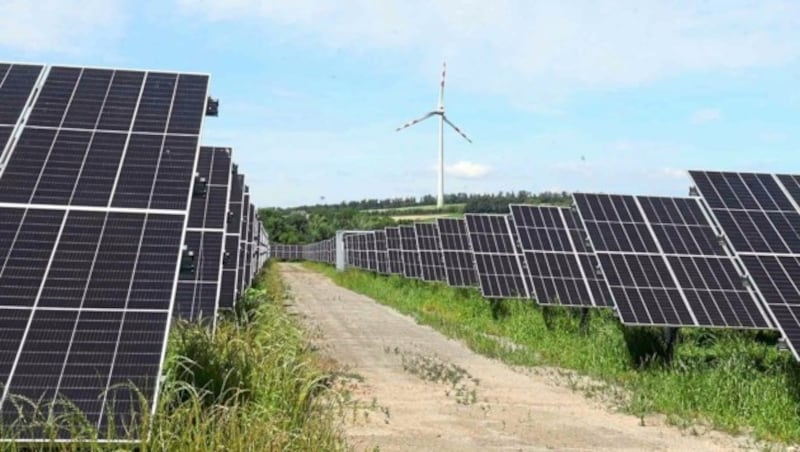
x=467 y=170
x=59 y=25
x=539 y=50
x=705 y=115
x=674 y=173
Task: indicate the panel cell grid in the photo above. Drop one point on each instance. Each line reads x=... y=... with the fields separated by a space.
x=198 y=291
x=664 y=264
x=410 y=252
x=394 y=251
x=229 y=290
x=84 y=142
x=759 y=216
x=560 y=269
x=100 y=269
x=497 y=260
x=380 y=252
x=430 y=252
x=91 y=286
x=457 y=254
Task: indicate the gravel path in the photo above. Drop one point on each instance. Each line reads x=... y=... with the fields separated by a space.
x=422 y=391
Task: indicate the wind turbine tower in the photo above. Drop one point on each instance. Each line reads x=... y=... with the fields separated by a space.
x=442 y=120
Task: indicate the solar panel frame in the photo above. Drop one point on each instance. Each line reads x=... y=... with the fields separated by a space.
x=560 y=269
x=498 y=263
x=641 y=243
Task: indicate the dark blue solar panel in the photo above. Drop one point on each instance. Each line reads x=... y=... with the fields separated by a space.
x=758 y=215
x=410 y=252
x=497 y=261
x=685 y=278
x=560 y=269
x=456 y=253
x=430 y=252
x=394 y=252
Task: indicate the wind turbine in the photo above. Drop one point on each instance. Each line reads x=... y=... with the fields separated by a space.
x=442 y=119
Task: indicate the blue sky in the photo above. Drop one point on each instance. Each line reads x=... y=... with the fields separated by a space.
x=590 y=96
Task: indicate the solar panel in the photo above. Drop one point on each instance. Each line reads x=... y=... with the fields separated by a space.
x=251 y=228
x=381 y=255
x=198 y=292
x=459 y=265
x=394 y=253
x=560 y=269
x=664 y=265
x=430 y=252
x=497 y=260
x=760 y=218
x=233 y=224
x=88 y=315
x=370 y=251
x=409 y=252
x=243 y=237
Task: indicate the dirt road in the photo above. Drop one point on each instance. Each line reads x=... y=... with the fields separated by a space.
x=423 y=391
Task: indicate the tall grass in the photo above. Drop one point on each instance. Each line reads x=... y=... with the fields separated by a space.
x=253 y=385
x=733 y=380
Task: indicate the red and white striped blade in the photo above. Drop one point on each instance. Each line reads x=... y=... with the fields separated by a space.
x=456 y=128
x=411 y=123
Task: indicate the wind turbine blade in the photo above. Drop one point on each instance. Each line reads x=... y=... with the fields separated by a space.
x=456 y=128
x=411 y=123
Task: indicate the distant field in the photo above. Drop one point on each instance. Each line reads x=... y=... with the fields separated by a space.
x=423 y=217
x=447 y=207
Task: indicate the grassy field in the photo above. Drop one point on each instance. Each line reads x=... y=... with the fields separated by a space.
x=732 y=380
x=253 y=385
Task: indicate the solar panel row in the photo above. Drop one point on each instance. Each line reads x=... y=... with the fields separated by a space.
x=111 y=220
x=658 y=261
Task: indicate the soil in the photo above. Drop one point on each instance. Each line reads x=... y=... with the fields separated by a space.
x=418 y=390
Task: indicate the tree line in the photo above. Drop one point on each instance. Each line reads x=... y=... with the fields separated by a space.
x=307 y=224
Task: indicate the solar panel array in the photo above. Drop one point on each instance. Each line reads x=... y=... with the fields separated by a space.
x=760 y=220
x=288 y=252
x=727 y=257
x=99 y=217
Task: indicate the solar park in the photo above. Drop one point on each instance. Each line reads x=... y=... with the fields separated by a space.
x=114 y=221
x=725 y=256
